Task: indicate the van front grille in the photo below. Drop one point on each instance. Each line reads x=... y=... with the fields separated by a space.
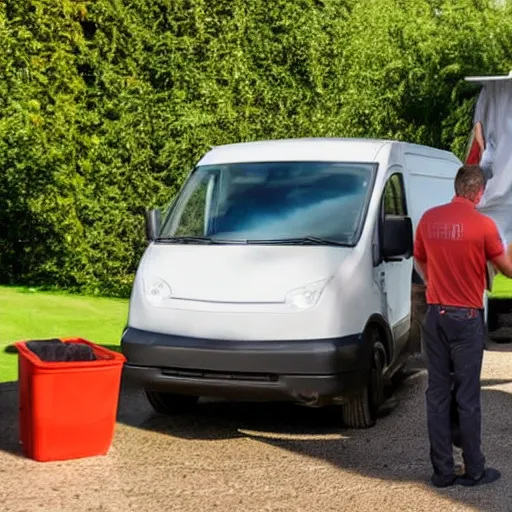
x=208 y=374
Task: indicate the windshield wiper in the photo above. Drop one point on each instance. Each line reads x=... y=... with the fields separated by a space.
x=306 y=240
x=198 y=240
x=185 y=239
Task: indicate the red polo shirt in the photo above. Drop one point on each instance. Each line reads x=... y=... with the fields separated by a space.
x=456 y=241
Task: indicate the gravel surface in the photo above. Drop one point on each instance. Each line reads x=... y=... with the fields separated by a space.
x=264 y=457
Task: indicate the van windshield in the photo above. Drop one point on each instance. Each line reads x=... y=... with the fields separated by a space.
x=278 y=202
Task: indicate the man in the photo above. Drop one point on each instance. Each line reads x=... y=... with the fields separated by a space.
x=453 y=244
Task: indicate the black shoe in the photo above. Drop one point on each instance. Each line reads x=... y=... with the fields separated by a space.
x=441 y=481
x=488 y=476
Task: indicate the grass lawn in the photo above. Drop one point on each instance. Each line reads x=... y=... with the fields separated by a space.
x=502 y=288
x=26 y=315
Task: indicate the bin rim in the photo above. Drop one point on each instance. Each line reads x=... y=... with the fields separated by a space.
x=114 y=358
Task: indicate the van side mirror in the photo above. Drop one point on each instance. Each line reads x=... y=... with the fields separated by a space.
x=153 y=224
x=397 y=238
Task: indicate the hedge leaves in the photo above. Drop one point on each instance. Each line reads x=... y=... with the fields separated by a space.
x=106 y=105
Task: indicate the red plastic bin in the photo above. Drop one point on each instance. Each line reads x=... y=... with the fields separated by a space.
x=68 y=409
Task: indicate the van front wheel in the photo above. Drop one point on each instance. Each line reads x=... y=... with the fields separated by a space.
x=362 y=410
x=169 y=404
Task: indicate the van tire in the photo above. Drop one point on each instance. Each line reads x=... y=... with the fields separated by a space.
x=362 y=410
x=170 y=404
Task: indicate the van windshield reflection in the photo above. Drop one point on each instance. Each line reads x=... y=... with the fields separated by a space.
x=292 y=203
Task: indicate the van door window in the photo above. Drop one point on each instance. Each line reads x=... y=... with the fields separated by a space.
x=195 y=217
x=394 y=196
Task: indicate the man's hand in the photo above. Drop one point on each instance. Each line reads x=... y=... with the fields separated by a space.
x=504 y=264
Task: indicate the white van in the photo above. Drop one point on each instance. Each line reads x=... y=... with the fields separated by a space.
x=283 y=271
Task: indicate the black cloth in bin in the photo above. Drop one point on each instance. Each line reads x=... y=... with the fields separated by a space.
x=54 y=350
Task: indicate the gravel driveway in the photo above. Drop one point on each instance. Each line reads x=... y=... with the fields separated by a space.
x=263 y=457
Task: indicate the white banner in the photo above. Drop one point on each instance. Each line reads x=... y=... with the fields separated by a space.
x=494 y=112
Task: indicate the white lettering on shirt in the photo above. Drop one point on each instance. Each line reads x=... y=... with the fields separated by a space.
x=445 y=231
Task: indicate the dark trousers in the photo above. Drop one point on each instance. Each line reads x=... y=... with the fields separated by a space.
x=454 y=344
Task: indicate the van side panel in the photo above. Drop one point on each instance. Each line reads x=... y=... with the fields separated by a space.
x=430 y=182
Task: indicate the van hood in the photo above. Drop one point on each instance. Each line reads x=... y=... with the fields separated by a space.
x=238 y=274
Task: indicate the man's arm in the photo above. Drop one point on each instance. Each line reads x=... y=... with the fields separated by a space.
x=479 y=136
x=503 y=264
x=479 y=117
x=422 y=267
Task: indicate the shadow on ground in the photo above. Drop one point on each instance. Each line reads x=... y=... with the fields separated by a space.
x=9 y=432
x=395 y=450
x=213 y=419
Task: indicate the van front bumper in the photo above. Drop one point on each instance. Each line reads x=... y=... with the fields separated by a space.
x=302 y=370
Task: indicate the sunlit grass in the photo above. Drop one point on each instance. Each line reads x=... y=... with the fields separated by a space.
x=26 y=314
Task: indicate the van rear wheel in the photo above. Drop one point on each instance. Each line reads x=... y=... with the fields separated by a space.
x=169 y=403
x=362 y=410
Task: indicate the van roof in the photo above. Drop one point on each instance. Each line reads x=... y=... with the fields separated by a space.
x=312 y=149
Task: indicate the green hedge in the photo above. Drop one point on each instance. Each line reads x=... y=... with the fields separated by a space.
x=106 y=105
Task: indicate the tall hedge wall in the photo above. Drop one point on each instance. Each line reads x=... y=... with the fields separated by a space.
x=106 y=105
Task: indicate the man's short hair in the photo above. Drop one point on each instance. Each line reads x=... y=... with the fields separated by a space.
x=470 y=180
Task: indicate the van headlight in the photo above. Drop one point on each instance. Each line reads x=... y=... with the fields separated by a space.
x=158 y=290
x=306 y=296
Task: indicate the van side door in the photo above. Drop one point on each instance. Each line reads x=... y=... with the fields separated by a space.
x=395 y=276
